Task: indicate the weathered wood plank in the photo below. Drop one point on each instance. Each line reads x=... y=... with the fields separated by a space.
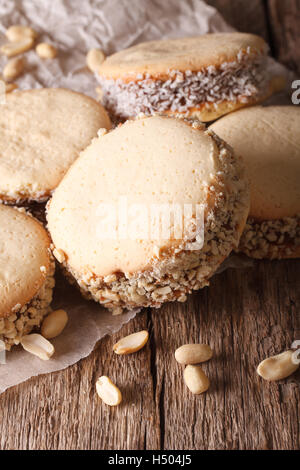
x=248 y=17
x=244 y=315
x=284 y=18
x=62 y=410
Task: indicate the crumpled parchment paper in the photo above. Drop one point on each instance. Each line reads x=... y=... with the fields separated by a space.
x=75 y=27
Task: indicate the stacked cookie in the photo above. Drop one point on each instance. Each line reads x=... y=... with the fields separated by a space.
x=41 y=134
x=26 y=275
x=211 y=76
x=160 y=203
x=202 y=77
x=146 y=213
x=268 y=139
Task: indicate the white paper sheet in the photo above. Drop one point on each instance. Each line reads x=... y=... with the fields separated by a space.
x=75 y=26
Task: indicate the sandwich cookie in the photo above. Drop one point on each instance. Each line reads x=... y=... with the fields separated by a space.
x=129 y=219
x=26 y=274
x=203 y=77
x=268 y=139
x=42 y=132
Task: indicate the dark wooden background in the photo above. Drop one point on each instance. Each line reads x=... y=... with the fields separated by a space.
x=245 y=315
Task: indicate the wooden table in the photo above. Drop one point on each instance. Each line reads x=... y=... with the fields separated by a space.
x=245 y=315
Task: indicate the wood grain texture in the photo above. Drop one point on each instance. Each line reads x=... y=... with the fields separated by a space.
x=245 y=315
x=246 y=16
x=284 y=20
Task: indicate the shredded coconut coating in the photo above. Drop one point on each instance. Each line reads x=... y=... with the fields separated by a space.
x=273 y=239
x=24 y=319
x=237 y=81
x=175 y=274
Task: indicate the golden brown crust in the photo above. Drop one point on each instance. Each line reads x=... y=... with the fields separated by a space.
x=157 y=58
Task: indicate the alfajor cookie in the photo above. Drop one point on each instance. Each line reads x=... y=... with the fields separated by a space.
x=42 y=132
x=160 y=203
x=26 y=274
x=268 y=139
x=202 y=77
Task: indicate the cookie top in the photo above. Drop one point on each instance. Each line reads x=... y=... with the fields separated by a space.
x=118 y=182
x=268 y=139
x=195 y=53
x=41 y=134
x=24 y=258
